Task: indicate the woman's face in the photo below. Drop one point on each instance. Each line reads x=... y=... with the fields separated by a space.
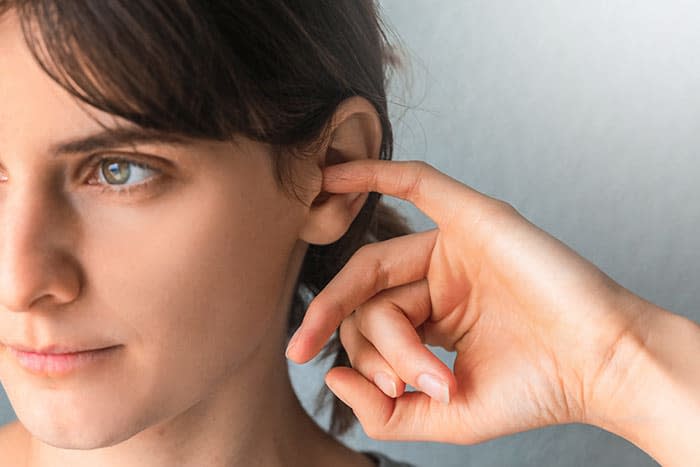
x=190 y=274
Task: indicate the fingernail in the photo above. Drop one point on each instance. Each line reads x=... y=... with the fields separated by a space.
x=291 y=344
x=434 y=387
x=385 y=383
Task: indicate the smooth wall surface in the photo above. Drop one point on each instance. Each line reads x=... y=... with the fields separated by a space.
x=585 y=116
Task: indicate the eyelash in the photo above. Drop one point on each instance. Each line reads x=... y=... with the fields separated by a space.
x=95 y=163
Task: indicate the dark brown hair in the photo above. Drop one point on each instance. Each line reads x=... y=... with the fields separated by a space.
x=272 y=70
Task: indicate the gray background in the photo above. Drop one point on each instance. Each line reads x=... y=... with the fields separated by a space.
x=585 y=116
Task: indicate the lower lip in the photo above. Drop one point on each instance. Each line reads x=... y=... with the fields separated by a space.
x=60 y=364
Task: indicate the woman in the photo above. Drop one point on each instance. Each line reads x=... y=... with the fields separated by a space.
x=160 y=168
x=193 y=373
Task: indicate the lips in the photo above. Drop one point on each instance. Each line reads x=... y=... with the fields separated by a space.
x=58 y=349
x=59 y=364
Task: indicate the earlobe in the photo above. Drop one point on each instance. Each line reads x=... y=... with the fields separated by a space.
x=356 y=134
x=331 y=219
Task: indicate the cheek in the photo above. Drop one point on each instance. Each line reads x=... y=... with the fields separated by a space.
x=202 y=289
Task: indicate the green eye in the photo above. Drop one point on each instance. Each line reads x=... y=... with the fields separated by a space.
x=113 y=171
x=118 y=170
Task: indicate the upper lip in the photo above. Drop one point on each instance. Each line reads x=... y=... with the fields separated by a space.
x=58 y=348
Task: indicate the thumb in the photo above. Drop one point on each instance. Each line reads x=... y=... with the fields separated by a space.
x=412 y=417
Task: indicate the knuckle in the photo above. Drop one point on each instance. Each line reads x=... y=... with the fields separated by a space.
x=373 y=267
x=493 y=216
x=505 y=206
x=379 y=275
x=421 y=165
x=365 y=259
x=415 y=177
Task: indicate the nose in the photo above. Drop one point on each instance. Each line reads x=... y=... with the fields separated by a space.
x=35 y=262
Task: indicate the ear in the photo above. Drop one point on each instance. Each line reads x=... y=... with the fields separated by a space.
x=356 y=133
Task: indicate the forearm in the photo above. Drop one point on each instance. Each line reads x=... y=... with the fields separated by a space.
x=655 y=400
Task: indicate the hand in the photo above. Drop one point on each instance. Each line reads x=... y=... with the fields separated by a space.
x=535 y=326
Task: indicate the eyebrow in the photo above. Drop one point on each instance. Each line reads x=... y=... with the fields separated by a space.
x=113 y=138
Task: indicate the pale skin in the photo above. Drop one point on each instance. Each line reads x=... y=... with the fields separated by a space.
x=192 y=275
x=542 y=336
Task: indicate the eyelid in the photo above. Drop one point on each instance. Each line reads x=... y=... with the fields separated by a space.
x=136 y=158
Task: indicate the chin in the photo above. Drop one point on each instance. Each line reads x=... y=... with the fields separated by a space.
x=74 y=433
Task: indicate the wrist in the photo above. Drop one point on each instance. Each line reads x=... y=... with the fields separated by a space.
x=650 y=391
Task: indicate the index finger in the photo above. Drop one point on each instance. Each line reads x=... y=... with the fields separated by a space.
x=415 y=181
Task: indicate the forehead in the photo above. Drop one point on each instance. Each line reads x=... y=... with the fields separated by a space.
x=37 y=114
x=33 y=106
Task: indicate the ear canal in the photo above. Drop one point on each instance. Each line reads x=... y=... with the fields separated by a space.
x=333 y=156
x=321 y=198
